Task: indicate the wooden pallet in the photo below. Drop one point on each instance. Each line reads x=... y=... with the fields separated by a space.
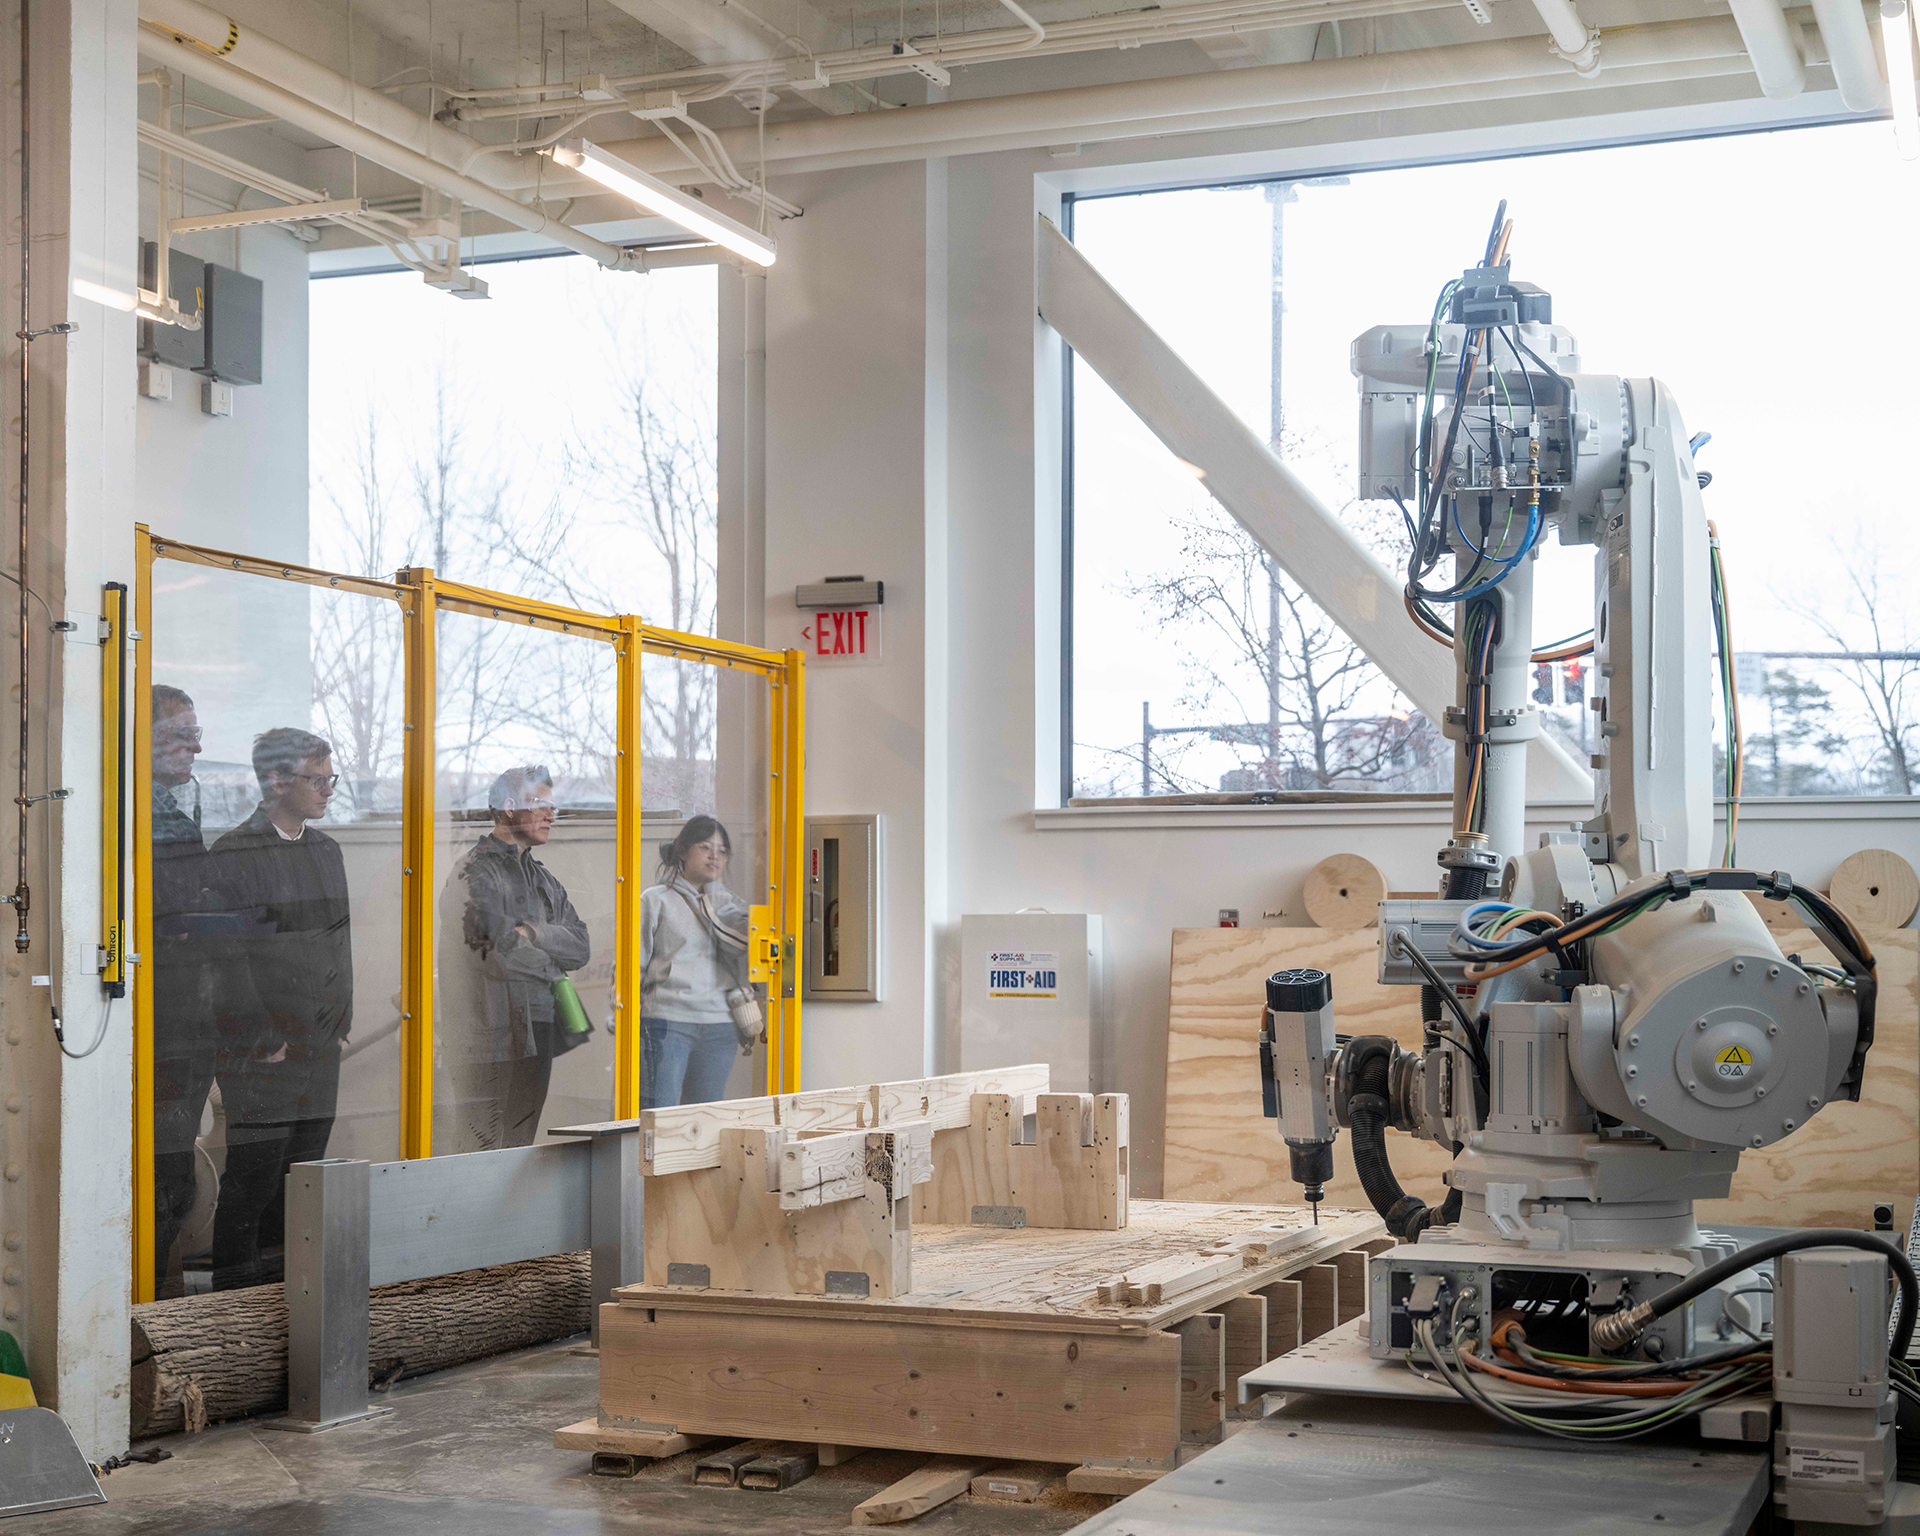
x=1102 y=1347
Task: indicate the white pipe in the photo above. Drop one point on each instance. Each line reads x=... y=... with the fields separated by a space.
x=1039 y=33
x=1856 y=67
x=1572 y=40
x=1771 y=46
x=301 y=113
x=213 y=35
x=1255 y=97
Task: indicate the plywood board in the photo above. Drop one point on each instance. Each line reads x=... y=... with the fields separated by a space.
x=1830 y=1171
x=729 y=1219
x=1220 y=1147
x=1218 y=1144
x=1074 y=1173
x=902 y=1385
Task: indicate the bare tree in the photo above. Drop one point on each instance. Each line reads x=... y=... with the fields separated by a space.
x=357 y=654
x=1881 y=670
x=1274 y=675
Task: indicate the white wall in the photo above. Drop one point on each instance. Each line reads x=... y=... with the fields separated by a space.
x=847 y=381
x=865 y=393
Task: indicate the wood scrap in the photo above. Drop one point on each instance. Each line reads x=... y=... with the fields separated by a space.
x=1116 y=1482
x=927 y=1487
x=593 y=1436
x=1019 y=1482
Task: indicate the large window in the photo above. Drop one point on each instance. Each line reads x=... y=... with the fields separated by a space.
x=1712 y=264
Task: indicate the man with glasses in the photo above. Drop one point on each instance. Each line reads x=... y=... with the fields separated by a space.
x=508 y=933
x=185 y=1046
x=286 y=1000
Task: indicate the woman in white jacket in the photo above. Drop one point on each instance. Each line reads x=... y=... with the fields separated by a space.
x=693 y=966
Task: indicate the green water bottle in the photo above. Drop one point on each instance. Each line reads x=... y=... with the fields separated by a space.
x=568 y=1010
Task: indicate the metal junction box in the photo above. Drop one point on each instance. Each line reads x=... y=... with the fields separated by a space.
x=843 y=909
x=1032 y=989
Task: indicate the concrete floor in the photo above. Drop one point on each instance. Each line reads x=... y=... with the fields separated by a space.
x=469 y=1452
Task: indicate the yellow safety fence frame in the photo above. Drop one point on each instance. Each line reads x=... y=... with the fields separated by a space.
x=776 y=927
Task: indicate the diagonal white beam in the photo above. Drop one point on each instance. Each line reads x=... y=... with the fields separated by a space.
x=1270 y=501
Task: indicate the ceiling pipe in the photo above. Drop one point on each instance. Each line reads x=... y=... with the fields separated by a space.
x=194 y=60
x=1771 y=46
x=1573 y=39
x=1239 y=98
x=1851 y=55
x=213 y=35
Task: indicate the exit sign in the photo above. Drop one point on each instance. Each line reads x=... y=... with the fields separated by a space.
x=842 y=636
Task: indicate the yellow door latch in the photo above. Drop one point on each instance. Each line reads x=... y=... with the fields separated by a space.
x=763 y=945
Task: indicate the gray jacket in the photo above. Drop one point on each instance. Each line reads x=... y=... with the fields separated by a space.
x=495 y=983
x=683 y=976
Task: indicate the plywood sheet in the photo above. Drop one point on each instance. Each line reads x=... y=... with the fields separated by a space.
x=1830 y=1171
x=1218 y=1144
x=1220 y=1147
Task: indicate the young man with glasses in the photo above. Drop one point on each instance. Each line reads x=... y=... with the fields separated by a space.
x=285 y=998
x=508 y=932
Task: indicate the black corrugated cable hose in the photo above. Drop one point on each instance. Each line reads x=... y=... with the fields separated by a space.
x=1630 y=1323
x=1406 y=1216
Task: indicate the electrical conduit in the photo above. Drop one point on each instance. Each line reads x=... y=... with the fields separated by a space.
x=194 y=60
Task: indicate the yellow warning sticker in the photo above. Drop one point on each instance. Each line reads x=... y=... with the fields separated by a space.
x=1733 y=1061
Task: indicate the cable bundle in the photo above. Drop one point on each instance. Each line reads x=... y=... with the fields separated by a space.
x=1659 y=1392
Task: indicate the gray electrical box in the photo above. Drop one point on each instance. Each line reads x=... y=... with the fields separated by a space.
x=232 y=329
x=187 y=278
x=843 y=909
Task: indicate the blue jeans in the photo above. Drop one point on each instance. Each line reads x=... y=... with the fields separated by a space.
x=687 y=1063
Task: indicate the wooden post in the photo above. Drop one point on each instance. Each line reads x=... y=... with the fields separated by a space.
x=1245 y=1345
x=1283 y=1316
x=1203 y=1366
x=1319 y=1301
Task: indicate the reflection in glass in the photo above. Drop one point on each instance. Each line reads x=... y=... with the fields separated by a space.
x=274 y=970
x=525 y=743
x=511 y=941
x=697 y=1010
x=284 y=996
x=703 y=791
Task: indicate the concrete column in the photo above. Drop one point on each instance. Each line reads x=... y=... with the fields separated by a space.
x=64 y=1135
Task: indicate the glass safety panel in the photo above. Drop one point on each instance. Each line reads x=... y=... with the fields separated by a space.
x=525 y=869
x=705 y=786
x=275 y=966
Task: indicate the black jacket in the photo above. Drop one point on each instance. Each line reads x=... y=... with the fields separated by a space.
x=183 y=898
x=289 y=979
x=496 y=984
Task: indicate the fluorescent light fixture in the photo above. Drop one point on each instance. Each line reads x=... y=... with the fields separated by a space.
x=656 y=196
x=1896 y=32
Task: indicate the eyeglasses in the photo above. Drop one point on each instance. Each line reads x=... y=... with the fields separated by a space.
x=535 y=805
x=324 y=780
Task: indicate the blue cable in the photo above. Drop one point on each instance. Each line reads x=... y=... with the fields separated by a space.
x=1526 y=548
